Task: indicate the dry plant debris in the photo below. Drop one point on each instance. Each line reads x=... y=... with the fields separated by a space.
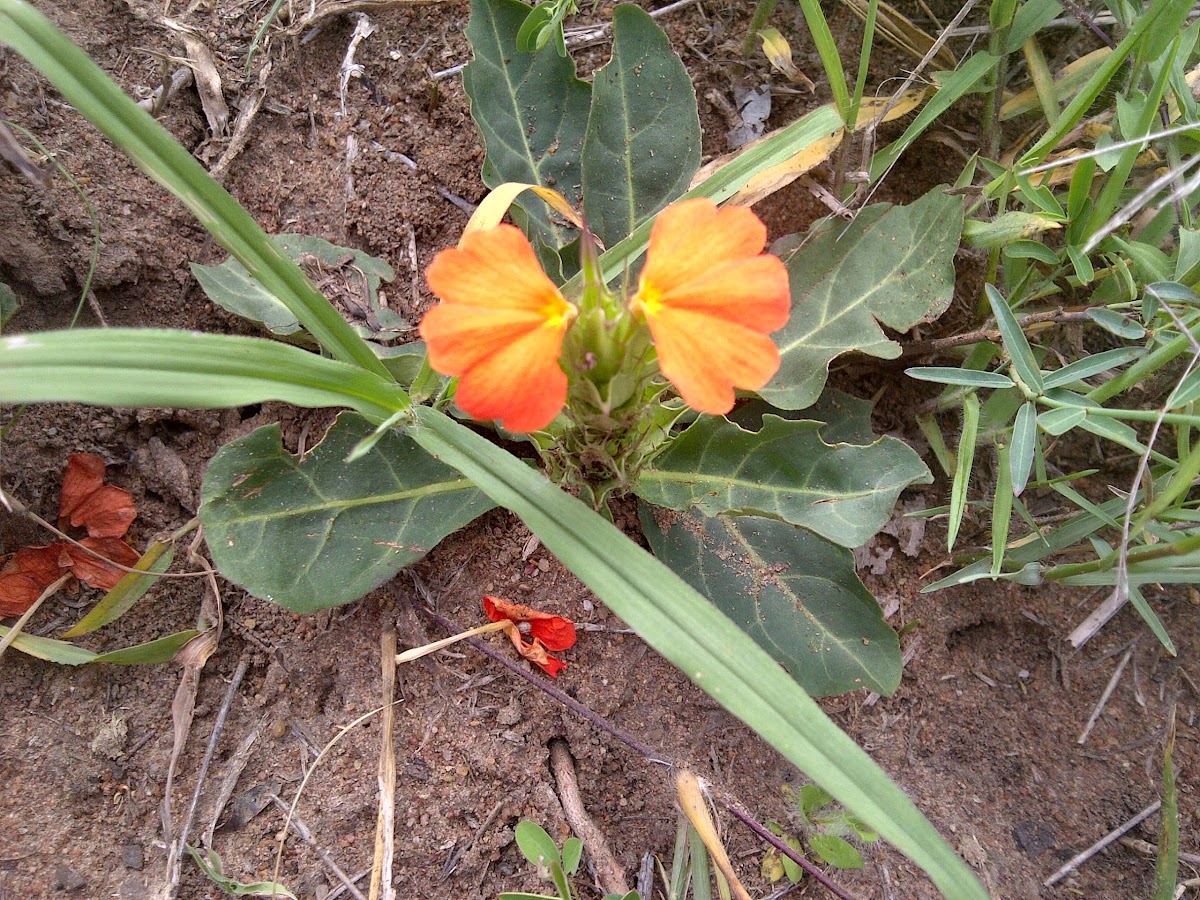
x=105 y=511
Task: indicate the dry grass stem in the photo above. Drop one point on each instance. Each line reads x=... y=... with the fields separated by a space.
x=385 y=824
x=1079 y=859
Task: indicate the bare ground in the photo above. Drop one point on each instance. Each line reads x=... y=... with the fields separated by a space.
x=982 y=733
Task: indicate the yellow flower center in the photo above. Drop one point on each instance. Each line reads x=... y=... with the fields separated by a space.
x=648 y=299
x=559 y=313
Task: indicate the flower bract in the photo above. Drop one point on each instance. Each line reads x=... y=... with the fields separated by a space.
x=499 y=327
x=547 y=632
x=711 y=298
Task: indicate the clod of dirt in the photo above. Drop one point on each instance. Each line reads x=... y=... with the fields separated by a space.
x=133 y=856
x=166 y=473
x=67 y=879
x=110 y=738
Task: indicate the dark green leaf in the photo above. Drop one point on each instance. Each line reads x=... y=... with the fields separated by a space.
x=531 y=112
x=535 y=844
x=847 y=418
x=835 y=851
x=796 y=594
x=316 y=532
x=643 y=137
x=8 y=304
x=965 y=377
x=893 y=265
x=843 y=492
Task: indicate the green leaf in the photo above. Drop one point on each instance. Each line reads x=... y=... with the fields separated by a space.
x=160 y=650
x=209 y=862
x=232 y=287
x=692 y=634
x=965 y=377
x=49 y=649
x=796 y=594
x=8 y=304
x=893 y=265
x=531 y=112
x=847 y=419
x=157 y=367
x=1091 y=365
x=962 y=468
x=1112 y=321
x=812 y=797
x=535 y=844
x=572 y=852
x=1024 y=443
x=128 y=591
x=835 y=851
x=1015 y=343
x=1166 y=871
x=1060 y=421
x=843 y=492
x=67 y=654
x=643 y=136
x=316 y=532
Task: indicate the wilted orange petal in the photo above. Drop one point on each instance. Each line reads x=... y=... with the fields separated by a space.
x=83 y=476
x=25 y=576
x=500 y=328
x=549 y=632
x=18 y=593
x=96 y=572
x=106 y=512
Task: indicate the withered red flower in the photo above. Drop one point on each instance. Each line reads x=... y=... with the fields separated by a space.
x=547 y=632
x=87 y=502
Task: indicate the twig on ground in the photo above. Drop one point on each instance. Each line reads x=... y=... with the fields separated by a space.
x=456 y=854
x=1080 y=858
x=240 y=136
x=608 y=870
x=165 y=93
x=233 y=771
x=192 y=656
x=385 y=824
x=1108 y=690
x=305 y=835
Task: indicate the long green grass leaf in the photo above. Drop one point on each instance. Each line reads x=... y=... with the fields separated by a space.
x=701 y=641
x=151 y=367
x=160 y=156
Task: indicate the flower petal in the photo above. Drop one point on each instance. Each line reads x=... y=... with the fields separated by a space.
x=83 y=476
x=500 y=328
x=692 y=238
x=705 y=357
x=710 y=297
x=495 y=268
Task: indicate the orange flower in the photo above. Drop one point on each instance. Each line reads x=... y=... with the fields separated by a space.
x=500 y=328
x=711 y=298
x=547 y=631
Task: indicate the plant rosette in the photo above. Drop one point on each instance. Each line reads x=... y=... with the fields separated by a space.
x=598 y=380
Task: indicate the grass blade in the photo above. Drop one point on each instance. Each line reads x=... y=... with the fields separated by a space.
x=701 y=641
x=160 y=156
